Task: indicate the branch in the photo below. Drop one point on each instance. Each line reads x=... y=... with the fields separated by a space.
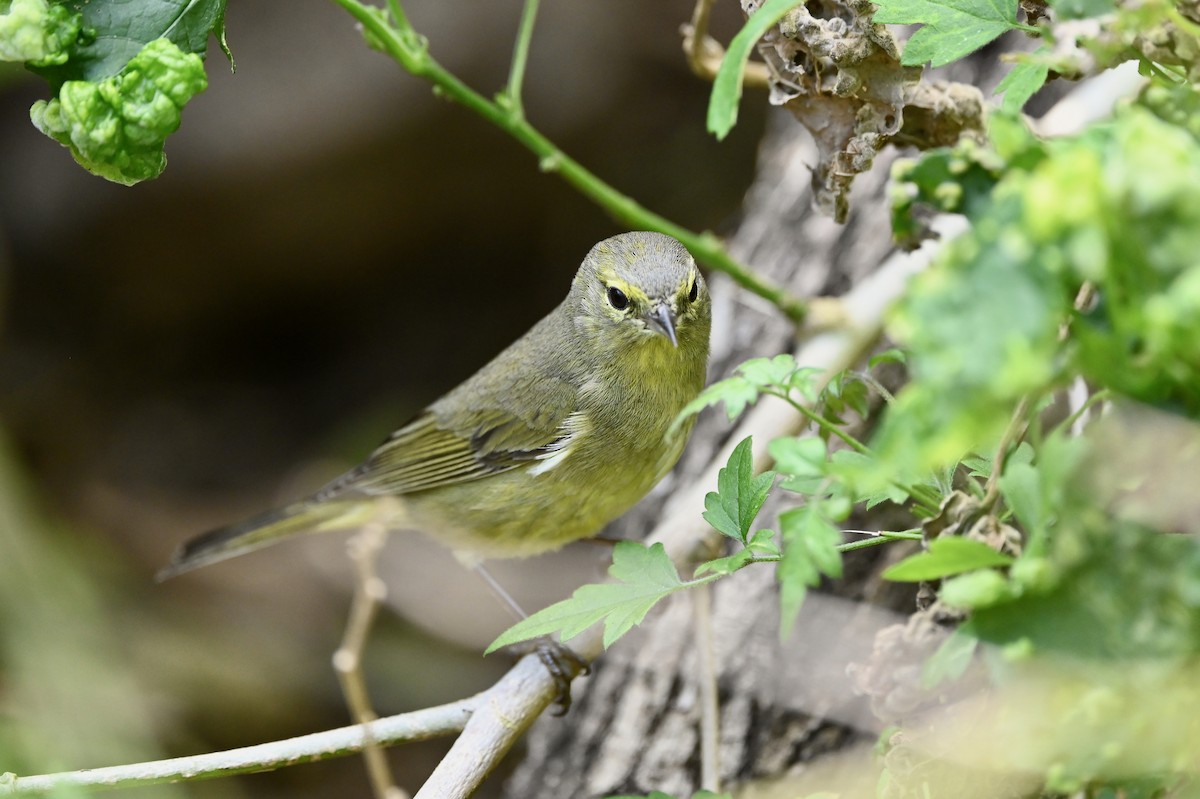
x=419 y=725
x=407 y=48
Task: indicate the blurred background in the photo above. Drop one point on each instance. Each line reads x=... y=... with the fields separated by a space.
x=330 y=248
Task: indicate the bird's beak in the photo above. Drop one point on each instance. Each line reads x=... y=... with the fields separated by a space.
x=661 y=320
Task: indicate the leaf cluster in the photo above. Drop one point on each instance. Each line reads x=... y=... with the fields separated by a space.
x=121 y=71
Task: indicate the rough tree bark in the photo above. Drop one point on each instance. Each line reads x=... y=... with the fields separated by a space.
x=634 y=725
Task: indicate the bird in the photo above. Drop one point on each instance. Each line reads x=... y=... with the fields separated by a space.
x=558 y=435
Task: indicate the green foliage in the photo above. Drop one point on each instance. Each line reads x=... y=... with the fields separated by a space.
x=37 y=32
x=116 y=128
x=732 y=508
x=753 y=378
x=946 y=556
x=1022 y=82
x=727 y=86
x=116 y=31
x=644 y=576
x=122 y=72
x=811 y=537
x=950 y=29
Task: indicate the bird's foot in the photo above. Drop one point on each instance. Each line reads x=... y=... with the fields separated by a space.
x=564 y=665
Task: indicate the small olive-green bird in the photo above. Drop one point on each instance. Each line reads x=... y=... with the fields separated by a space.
x=561 y=433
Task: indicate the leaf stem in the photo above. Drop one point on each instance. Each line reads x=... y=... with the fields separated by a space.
x=516 y=73
x=408 y=49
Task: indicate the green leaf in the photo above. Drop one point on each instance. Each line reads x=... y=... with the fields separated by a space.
x=119 y=29
x=736 y=392
x=732 y=508
x=951 y=659
x=950 y=29
x=116 y=128
x=38 y=32
x=810 y=541
x=982 y=588
x=645 y=576
x=894 y=355
x=727 y=86
x=801 y=461
x=1082 y=9
x=764 y=372
x=946 y=556
x=851 y=466
x=1021 y=83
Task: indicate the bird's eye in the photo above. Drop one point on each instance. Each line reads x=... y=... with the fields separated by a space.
x=695 y=290
x=617 y=298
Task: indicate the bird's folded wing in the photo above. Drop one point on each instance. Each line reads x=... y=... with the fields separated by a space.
x=438 y=449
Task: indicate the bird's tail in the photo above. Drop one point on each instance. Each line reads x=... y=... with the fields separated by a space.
x=307 y=515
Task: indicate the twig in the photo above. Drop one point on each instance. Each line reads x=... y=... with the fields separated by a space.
x=405 y=46
x=419 y=725
x=516 y=74
x=704 y=53
x=369 y=593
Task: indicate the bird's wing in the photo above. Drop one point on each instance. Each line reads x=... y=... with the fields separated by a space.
x=441 y=448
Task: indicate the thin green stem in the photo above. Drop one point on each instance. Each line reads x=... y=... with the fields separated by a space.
x=399 y=18
x=820 y=421
x=516 y=73
x=407 y=49
x=1070 y=421
x=877 y=539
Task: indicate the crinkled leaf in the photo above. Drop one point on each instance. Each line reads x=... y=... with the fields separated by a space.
x=119 y=29
x=645 y=575
x=946 y=556
x=950 y=29
x=38 y=32
x=727 y=85
x=116 y=128
x=810 y=549
x=732 y=508
x=951 y=659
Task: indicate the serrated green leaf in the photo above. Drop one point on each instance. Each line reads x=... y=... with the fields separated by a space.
x=946 y=556
x=1022 y=82
x=951 y=29
x=727 y=85
x=763 y=372
x=736 y=392
x=810 y=541
x=645 y=576
x=739 y=496
x=951 y=659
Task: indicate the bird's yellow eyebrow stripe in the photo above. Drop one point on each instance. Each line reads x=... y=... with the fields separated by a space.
x=634 y=293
